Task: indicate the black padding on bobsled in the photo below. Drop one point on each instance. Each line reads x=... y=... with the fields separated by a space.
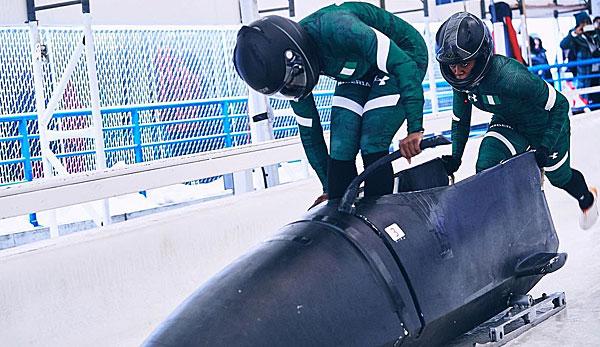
x=428 y=175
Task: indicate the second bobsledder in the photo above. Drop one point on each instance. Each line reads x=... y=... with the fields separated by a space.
x=417 y=268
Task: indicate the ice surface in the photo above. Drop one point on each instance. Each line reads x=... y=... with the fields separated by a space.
x=577 y=325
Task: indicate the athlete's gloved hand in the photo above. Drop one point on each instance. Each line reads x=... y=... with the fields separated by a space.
x=320 y=199
x=541 y=156
x=451 y=164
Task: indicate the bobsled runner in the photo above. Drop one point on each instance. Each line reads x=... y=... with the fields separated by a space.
x=523 y=313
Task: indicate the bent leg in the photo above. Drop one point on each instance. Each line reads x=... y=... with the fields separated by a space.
x=499 y=143
x=561 y=175
x=381 y=181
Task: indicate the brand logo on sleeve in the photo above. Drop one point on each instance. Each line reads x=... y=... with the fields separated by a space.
x=472 y=97
x=381 y=80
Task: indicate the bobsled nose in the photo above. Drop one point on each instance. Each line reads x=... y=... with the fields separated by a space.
x=309 y=285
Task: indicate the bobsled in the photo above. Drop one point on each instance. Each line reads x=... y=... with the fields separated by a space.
x=418 y=267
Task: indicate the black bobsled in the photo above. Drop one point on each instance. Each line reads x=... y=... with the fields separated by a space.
x=414 y=268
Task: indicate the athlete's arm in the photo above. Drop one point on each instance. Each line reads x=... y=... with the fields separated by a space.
x=534 y=90
x=311 y=134
x=461 y=123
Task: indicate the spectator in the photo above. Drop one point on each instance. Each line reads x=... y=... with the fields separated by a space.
x=597 y=22
x=583 y=42
x=538 y=56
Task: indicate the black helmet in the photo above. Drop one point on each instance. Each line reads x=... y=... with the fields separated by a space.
x=275 y=56
x=461 y=38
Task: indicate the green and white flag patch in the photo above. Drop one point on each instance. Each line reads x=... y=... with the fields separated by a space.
x=491 y=99
x=348 y=69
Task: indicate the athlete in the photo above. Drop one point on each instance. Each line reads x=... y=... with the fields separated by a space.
x=528 y=113
x=379 y=61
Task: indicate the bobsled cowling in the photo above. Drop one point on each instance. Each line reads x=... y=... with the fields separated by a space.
x=413 y=268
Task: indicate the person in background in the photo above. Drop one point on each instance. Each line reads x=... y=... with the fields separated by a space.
x=528 y=113
x=379 y=61
x=538 y=56
x=583 y=42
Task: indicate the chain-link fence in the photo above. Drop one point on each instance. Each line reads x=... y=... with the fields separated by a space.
x=135 y=66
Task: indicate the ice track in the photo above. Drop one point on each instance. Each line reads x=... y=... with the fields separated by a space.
x=111 y=287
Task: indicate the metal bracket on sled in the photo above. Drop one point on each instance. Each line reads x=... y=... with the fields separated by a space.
x=542 y=309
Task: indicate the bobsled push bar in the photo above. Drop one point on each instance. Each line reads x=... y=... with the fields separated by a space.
x=352 y=191
x=516 y=320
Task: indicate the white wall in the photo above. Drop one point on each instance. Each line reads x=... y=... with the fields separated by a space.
x=216 y=12
x=130 y=12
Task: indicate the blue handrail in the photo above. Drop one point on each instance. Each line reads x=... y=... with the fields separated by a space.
x=570 y=64
x=226 y=117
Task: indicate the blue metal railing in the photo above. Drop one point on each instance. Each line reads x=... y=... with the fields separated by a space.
x=135 y=126
x=560 y=76
x=226 y=116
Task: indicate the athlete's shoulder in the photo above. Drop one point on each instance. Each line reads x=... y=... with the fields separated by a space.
x=504 y=65
x=509 y=75
x=328 y=19
x=359 y=7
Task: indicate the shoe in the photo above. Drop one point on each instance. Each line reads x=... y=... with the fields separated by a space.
x=589 y=216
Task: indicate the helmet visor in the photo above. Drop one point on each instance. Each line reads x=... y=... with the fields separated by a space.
x=295 y=83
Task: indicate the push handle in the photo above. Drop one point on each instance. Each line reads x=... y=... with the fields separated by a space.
x=352 y=190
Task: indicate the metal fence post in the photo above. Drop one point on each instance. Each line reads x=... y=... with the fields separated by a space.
x=433 y=97
x=242 y=180
x=260 y=113
x=26 y=155
x=228 y=179
x=137 y=140
x=137 y=136
x=226 y=123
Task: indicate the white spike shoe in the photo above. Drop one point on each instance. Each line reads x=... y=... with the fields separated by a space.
x=589 y=216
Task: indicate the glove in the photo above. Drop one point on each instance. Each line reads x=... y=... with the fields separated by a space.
x=541 y=156
x=451 y=164
x=320 y=199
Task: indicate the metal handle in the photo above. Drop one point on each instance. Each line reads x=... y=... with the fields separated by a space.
x=352 y=190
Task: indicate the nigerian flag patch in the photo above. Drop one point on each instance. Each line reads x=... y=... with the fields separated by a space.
x=491 y=99
x=348 y=69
